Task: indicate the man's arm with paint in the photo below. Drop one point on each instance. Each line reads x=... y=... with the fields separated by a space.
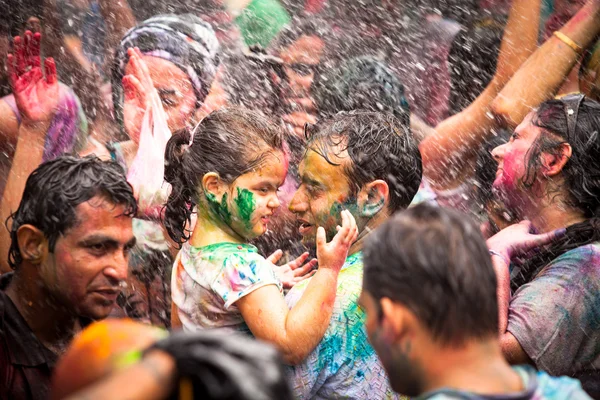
x=453 y=147
x=544 y=72
x=298 y=331
x=36 y=96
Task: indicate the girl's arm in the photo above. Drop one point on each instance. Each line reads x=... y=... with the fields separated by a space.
x=454 y=145
x=297 y=332
x=544 y=72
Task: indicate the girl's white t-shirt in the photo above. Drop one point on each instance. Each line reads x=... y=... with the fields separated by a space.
x=207 y=281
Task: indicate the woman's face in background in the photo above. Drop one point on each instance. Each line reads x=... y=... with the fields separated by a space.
x=175 y=90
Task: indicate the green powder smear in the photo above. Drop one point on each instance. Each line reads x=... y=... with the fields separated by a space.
x=219 y=209
x=244 y=201
x=246 y=206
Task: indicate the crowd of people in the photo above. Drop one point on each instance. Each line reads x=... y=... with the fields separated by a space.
x=317 y=199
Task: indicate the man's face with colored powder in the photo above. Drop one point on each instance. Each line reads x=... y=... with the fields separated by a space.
x=323 y=193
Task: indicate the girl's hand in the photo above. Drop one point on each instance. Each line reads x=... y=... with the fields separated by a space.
x=138 y=88
x=333 y=255
x=36 y=96
x=293 y=272
x=518 y=239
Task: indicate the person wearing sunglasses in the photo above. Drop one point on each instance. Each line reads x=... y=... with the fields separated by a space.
x=549 y=177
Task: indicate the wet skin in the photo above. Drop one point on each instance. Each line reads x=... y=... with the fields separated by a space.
x=175 y=90
x=248 y=203
x=323 y=193
x=90 y=260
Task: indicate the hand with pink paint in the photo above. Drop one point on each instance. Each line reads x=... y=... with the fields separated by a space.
x=333 y=255
x=138 y=88
x=519 y=239
x=36 y=95
x=293 y=272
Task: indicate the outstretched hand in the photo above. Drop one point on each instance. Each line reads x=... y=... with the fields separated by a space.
x=333 y=255
x=138 y=88
x=518 y=239
x=293 y=272
x=36 y=95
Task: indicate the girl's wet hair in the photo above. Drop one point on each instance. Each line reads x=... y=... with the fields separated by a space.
x=55 y=189
x=230 y=142
x=581 y=174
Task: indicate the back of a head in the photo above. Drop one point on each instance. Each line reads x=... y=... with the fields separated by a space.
x=57 y=187
x=472 y=62
x=379 y=145
x=363 y=83
x=435 y=262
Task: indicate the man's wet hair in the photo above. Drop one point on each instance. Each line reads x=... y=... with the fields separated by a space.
x=435 y=262
x=55 y=189
x=379 y=145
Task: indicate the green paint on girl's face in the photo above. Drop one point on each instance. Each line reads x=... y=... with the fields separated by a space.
x=221 y=209
x=246 y=206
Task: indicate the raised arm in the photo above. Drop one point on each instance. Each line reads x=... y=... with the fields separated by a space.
x=456 y=140
x=544 y=72
x=297 y=332
x=119 y=19
x=37 y=99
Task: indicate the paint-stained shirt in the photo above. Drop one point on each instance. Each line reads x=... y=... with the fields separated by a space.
x=538 y=386
x=556 y=316
x=207 y=281
x=343 y=365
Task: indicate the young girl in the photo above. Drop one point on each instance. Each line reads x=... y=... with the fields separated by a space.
x=231 y=172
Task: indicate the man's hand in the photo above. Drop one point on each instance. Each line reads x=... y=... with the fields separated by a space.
x=36 y=96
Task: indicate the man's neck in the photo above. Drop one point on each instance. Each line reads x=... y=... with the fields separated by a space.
x=477 y=367
x=371 y=225
x=52 y=324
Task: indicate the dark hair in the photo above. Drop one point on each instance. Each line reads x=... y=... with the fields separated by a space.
x=379 y=145
x=581 y=176
x=54 y=190
x=435 y=262
x=363 y=83
x=472 y=62
x=230 y=142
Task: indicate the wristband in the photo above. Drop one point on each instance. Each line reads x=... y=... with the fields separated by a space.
x=568 y=41
x=495 y=253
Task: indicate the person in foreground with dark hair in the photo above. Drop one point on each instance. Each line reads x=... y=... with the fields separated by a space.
x=70 y=242
x=200 y=365
x=369 y=164
x=432 y=314
x=548 y=178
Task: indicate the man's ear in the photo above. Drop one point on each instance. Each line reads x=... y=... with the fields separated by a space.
x=553 y=163
x=33 y=245
x=396 y=320
x=373 y=198
x=213 y=184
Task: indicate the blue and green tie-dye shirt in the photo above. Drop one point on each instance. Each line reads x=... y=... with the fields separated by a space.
x=344 y=365
x=538 y=386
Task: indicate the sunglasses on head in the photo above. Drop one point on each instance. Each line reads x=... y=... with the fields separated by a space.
x=571 y=103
